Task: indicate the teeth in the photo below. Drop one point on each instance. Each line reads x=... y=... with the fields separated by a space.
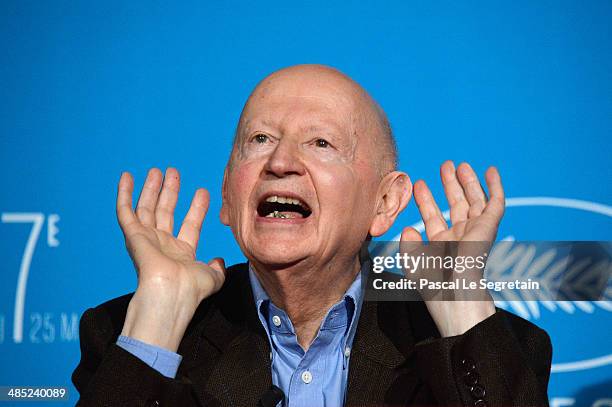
x=284 y=199
x=277 y=214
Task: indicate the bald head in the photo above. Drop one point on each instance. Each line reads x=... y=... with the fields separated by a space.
x=308 y=81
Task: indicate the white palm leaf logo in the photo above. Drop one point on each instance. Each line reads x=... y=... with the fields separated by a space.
x=562 y=277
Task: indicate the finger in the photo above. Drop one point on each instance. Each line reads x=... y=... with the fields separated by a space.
x=145 y=209
x=473 y=190
x=410 y=234
x=432 y=217
x=216 y=274
x=497 y=202
x=410 y=241
x=192 y=224
x=455 y=196
x=218 y=264
x=125 y=214
x=166 y=203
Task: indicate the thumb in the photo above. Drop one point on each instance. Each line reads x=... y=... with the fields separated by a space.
x=218 y=264
x=410 y=234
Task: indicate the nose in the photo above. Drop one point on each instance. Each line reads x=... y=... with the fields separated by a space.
x=285 y=160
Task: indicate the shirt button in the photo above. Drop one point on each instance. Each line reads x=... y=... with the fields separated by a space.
x=276 y=320
x=306 y=377
x=347 y=351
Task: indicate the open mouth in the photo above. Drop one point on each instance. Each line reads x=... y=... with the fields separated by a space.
x=283 y=207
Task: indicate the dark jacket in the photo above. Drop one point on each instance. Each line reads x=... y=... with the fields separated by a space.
x=397 y=358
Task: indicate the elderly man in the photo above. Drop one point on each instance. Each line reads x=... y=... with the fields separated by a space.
x=311 y=177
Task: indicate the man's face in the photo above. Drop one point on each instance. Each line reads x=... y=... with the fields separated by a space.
x=301 y=185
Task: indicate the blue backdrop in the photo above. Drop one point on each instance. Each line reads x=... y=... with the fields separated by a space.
x=92 y=89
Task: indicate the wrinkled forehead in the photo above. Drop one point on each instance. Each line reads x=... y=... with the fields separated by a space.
x=299 y=113
x=311 y=103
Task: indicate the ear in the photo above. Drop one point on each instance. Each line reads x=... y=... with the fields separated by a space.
x=393 y=195
x=224 y=213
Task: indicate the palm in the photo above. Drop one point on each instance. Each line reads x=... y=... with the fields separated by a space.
x=476 y=229
x=161 y=247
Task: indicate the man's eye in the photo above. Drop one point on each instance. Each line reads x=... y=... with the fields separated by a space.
x=261 y=138
x=321 y=143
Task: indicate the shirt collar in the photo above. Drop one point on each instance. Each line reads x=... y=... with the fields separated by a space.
x=352 y=300
x=259 y=294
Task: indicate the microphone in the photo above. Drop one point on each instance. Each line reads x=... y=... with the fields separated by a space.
x=271 y=398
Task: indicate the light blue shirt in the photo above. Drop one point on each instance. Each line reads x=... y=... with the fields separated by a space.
x=164 y=361
x=317 y=377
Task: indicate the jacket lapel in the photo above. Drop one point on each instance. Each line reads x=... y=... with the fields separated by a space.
x=379 y=372
x=228 y=354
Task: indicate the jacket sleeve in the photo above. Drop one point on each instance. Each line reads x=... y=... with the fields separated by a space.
x=108 y=375
x=502 y=361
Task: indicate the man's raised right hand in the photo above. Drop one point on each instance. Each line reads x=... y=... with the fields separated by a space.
x=171 y=282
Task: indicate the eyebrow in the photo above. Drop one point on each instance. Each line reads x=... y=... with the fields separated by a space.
x=267 y=122
x=317 y=127
x=313 y=128
x=247 y=125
